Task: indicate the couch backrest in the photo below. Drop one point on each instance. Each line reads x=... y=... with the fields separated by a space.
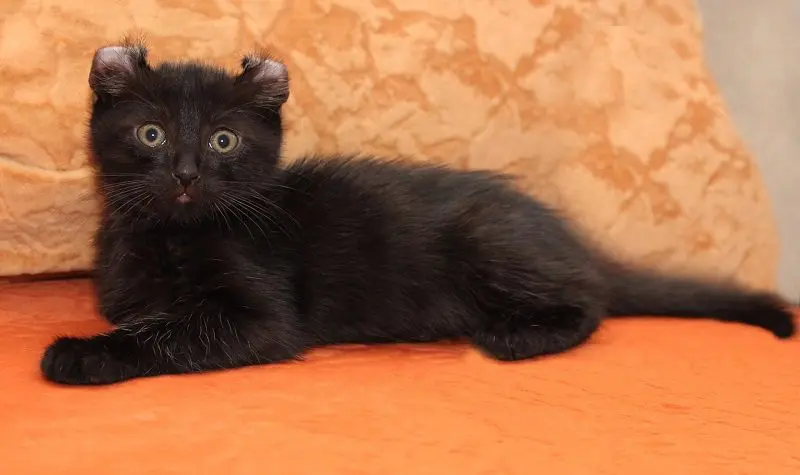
x=603 y=107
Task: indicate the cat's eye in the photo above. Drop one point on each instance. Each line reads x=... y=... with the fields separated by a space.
x=223 y=141
x=151 y=135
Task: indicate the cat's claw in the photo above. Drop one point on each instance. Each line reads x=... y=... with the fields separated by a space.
x=79 y=361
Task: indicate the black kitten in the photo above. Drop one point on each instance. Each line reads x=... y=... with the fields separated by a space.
x=210 y=255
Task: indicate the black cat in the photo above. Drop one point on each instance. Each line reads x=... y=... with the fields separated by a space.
x=211 y=255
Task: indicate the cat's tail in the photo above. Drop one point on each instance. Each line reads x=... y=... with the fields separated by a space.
x=635 y=292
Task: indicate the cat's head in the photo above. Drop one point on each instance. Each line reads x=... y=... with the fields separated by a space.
x=183 y=141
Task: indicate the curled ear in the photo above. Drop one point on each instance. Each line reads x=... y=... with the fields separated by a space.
x=270 y=78
x=114 y=66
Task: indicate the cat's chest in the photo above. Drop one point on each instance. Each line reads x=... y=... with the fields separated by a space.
x=169 y=263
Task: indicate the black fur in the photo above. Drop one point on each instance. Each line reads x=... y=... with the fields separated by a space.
x=264 y=262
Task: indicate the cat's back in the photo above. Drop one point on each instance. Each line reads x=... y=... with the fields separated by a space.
x=409 y=208
x=416 y=208
x=400 y=183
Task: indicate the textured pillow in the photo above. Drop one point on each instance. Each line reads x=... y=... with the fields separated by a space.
x=603 y=107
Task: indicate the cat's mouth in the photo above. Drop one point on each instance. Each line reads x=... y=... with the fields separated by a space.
x=185 y=195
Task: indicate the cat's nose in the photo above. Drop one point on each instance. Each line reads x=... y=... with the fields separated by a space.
x=186 y=176
x=185 y=170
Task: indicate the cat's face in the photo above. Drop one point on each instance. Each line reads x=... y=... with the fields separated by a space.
x=183 y=141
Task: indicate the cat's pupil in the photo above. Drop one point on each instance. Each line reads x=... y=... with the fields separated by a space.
x=223 y=141
x=151 y=134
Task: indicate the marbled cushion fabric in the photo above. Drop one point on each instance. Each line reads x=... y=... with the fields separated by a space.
x=602 y=107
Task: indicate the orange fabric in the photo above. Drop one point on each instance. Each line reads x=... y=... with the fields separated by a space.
x=603 y=108
x=644 y=396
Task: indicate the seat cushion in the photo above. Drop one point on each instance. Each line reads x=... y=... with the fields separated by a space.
x=643 y=396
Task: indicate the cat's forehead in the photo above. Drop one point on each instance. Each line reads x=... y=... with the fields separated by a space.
x=118 y=71
x=193 y=76
x=191 y=88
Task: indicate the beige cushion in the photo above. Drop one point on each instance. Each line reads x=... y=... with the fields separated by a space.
x=603 y=107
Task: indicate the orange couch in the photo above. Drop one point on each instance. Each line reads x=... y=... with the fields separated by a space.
x=643 y=397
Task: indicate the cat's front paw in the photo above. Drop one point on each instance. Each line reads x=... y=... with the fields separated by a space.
x=80 y=361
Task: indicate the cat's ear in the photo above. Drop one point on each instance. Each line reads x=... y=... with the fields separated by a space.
x=113 y=67
x=269 y=76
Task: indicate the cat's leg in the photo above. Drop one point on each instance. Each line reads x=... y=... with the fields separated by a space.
x=522 y=334
x=539 y=292
x=171 y=345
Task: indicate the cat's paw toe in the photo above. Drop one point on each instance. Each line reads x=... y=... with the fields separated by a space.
x=79 y=361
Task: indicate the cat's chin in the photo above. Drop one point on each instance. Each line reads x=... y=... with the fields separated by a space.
x=183 y=210
x=186 y=216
